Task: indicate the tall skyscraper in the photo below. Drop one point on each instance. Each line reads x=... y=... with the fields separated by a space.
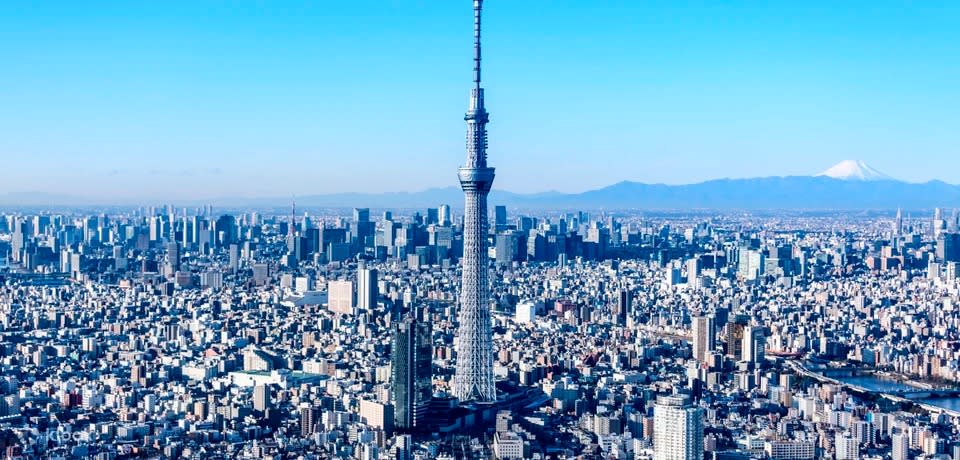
x=754 y=342
x=412 y=370
x=703 y=337
x=898 y=226
x=734 y=338
x=261 y=398
x=677 y=429
x=474 y=375
x=500 y=217
x=900 y=442
x=445 y=218
x=948 y=247
x=624 y=299
x=173 y=255
x=308 y=420
x=846 y=447
x=366 y=288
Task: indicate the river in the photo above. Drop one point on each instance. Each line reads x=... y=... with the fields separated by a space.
x=882 y=385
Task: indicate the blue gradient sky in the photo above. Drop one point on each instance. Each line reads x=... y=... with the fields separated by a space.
x=201 y=99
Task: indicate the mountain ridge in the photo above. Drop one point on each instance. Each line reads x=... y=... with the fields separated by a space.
x=772 y=192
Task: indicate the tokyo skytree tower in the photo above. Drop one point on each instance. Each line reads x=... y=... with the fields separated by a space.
x=474 y=375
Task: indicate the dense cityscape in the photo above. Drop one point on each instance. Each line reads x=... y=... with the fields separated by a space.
x=179 y=333
x=254 y=332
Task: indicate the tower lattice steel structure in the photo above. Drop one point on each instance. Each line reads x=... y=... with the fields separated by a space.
x=474 y=376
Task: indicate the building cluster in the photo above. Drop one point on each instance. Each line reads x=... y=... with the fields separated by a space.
x=261 y=334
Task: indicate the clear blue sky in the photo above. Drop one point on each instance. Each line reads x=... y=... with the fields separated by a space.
x=199 y=99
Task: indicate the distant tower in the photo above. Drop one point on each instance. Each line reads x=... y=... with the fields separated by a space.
x=366 y=288
x=703 y=337
x=899 y=223
x=291 y=228
x=474 y=375
x=624 y=299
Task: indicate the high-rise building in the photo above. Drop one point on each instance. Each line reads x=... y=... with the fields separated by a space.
x=624 y=301
x=474 y=373
x=499 y=217
x=412 y=370
x=404 y=447
x=234 y=253
x=340 y=297
x=948 y=247
x=754 y=342
x=377 y=415
x=734 y=336
x=366 y=288
x=704 y=335
x=846 y=447
x=362 y=228
x=900 y=441
x=173 y=255
x=677 y=429
x=898 y=225
x=308 y=420
x=261 y=398
x=445 y=217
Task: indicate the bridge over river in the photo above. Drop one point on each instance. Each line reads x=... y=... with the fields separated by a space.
x=871 y=380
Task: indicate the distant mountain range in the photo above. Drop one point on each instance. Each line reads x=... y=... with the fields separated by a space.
x=849 y=185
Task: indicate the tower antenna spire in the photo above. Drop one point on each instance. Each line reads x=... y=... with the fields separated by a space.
x=293 y=217
x=477 y=6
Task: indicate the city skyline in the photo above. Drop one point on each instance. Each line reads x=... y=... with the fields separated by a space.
x=668 y=94
x=787 y=316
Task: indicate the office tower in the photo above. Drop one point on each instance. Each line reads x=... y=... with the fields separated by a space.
x=404 y=448
x=412 y=370
x=703 y=337
x=948 y=247
x=340 y=297
x=261 y=398
x=366 y=288
x=846 y=447
x=754 y=341
x=362 y=228
x=377 y=415
x=173 y=255
x=225 y=230
x=751 y=265
x=308 y=420
x=624 y=299
x=506 y=248
x=18 y=239
x=433 y=216
x=900 y=443
x=474 y=374
x=677 y=429
x=898 y=225
x=445 y=218
x=500 y=217
x=234 y=252
x=938 y=223
x=292 y=229
x=156 y=228
x=735 y=330
x=185 y=232
x=361 y=214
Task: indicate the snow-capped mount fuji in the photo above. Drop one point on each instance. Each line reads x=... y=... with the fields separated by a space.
x=854 y=170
